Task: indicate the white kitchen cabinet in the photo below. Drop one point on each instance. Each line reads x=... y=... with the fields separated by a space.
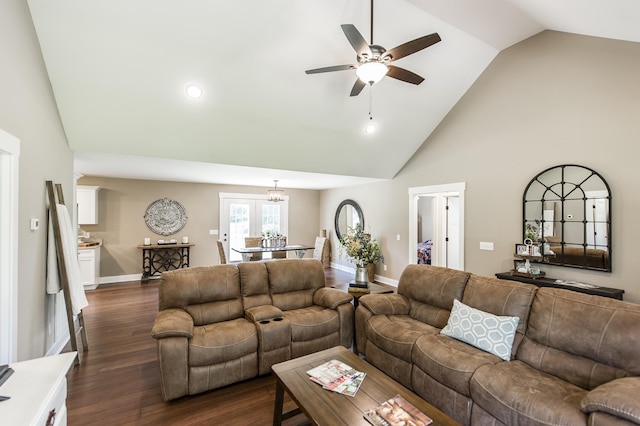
x=89 y=262
x=87 y=199
x=38 y=391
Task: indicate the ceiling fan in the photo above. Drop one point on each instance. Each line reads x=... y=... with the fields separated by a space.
x=373 y=60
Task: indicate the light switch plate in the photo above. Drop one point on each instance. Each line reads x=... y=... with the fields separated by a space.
x=35 y=224
x=486 y=246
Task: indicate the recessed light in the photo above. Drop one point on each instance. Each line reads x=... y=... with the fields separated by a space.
x=193 y=91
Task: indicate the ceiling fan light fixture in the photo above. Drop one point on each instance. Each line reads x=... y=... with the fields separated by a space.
x=371 y=72
x=275 y=194
x=370 y=128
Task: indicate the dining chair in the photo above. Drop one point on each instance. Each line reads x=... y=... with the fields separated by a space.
x=253 y=242
x=223 y=257
x=280 y=254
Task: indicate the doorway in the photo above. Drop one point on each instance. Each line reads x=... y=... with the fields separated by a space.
x=249 y=215
x=9 y=161
x=436 y=225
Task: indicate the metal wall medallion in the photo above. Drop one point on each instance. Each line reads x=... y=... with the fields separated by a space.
x=165 y=216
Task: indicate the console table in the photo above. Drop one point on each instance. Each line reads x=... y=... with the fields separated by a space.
x=613 y=293
x=157 y=258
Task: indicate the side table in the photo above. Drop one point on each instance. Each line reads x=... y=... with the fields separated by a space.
x=157 y=258
x=374 y=288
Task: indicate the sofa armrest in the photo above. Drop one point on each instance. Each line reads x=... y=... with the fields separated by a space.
x=331 y=297
x=618 y=398
x=263 y=312
x=172 y=323
x=385 y=304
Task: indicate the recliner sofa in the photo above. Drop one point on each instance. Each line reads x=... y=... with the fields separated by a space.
x=574 y=358
x=222 y=324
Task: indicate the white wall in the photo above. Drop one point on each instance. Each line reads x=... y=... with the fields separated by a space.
x=28 y=111
x=555 y=98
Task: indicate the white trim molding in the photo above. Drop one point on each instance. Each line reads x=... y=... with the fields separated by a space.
x=415 y=193
x=9 y=164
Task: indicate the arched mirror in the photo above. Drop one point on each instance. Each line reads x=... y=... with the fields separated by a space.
x=567 y=213
x=348 y=215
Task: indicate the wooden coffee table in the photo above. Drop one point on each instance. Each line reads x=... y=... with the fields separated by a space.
x=324 y=407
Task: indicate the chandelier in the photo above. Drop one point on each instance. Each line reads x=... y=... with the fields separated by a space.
x=275 y=194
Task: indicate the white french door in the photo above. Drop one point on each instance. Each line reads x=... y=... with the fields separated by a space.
x=249 y=215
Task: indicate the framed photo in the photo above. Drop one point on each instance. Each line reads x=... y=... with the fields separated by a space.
x=522 y=249
x=519 y=265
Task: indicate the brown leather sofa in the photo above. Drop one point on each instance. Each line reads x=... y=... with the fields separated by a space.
x=574 y=359
x=221 y=324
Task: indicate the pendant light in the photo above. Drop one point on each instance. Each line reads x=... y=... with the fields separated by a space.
x=275 y=194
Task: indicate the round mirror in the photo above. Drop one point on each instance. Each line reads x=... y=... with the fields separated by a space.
x=348 y=215
x=567 y=211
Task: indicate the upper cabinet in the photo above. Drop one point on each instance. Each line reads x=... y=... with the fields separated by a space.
x=87 y=197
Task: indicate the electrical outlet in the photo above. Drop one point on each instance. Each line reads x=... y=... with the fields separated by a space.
x=213 y=232
x=398 y=237
x=384 y=267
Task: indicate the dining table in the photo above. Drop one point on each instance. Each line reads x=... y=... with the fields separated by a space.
x=246 y=252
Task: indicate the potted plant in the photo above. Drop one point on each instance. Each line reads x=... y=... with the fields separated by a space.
x=362 y=251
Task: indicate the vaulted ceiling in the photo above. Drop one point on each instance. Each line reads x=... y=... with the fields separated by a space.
x=119 y=69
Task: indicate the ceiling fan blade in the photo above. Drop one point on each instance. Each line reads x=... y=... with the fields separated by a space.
x=404 y=75
x=358 y=42
x=412 y=46
x=357 y=87
x=331 y=69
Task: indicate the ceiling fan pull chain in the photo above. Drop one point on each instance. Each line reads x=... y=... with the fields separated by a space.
x=370 y=102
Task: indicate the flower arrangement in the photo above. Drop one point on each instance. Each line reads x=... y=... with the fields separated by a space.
x=360 y=247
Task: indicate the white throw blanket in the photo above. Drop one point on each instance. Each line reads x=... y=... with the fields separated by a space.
x=69 y=248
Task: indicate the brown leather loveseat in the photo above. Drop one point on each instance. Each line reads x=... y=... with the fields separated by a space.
x=221 y=324
x=572 y=359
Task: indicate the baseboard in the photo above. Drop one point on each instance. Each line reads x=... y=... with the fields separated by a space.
x=120 y=278
x=378 y=278
x=57 y=347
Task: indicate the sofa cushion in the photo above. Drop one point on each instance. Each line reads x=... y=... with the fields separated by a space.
x=209 y=293
x=491 y=333
x=449 y=361
x=254 y=283
x=515 y=393
x=293 y=282
x=396 y=334
x=586 y=340
x=312 y=322
x=222 y=342
x=431 y=290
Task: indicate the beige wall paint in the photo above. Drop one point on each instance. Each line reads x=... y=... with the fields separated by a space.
x=123 y=202
x=555 y=98
x=28 y=111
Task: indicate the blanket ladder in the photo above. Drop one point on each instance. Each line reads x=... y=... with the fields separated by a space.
x=62 y=270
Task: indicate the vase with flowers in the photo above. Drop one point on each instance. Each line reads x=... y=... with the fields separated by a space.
x=362 y=251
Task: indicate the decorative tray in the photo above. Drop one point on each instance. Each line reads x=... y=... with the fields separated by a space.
x=527 y=274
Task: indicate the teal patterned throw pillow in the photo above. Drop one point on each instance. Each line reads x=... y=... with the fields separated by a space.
x=491 y=333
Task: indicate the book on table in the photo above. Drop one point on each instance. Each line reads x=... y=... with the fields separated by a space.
x=397 y=411
x=338 y=377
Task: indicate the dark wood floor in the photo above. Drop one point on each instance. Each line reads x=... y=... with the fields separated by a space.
x=118 y=380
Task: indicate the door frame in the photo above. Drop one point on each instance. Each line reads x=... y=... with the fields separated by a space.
x=9 y=164
x=433 y=190
x=222 y=196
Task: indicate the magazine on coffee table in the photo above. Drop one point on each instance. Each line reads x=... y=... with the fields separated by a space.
x=397 y=411
x=338 y=377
